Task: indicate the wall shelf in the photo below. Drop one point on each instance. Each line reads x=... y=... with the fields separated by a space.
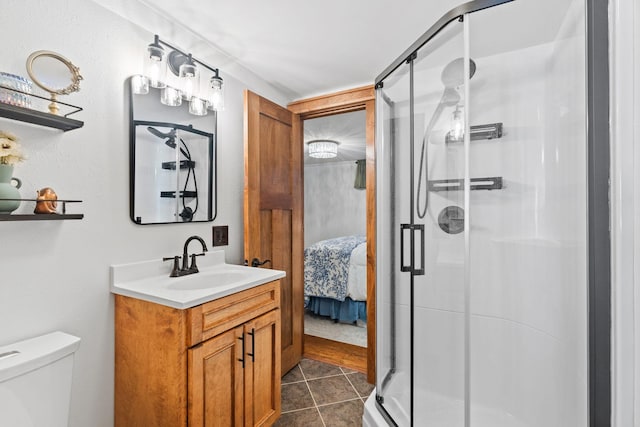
x=39 y=217
x=38 y=117
x=42 y=217
x=28 y=115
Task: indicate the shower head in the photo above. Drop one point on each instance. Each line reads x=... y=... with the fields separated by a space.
x=453 y=73
x=453 y=76
x=171 y=139
x=171 y=136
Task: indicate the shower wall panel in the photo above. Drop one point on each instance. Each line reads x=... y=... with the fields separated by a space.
x=528 y=256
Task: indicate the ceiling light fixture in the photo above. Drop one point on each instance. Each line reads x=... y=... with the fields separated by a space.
x=323 y=148
x=185 y=82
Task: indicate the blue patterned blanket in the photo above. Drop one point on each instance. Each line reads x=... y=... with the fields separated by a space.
x=326 y=267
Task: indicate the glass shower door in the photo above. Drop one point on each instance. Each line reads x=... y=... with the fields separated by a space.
x=393 y=367
x=420 y=363
x=440 y=296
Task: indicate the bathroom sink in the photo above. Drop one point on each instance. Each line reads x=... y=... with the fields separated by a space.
x=209 y=279
x=150 y=281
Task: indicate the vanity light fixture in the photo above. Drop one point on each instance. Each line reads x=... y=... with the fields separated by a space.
x=323 y=148
x=185 y=82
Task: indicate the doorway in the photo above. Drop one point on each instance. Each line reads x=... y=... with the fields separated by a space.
x=334 y=108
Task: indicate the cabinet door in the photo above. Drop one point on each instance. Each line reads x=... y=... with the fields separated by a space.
x=216 y=377
x=262 y=373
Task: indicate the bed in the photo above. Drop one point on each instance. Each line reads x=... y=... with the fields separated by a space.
x=335 y=278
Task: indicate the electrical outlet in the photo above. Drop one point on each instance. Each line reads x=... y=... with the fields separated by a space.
x=220 y=235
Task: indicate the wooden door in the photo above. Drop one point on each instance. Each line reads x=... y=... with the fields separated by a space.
x=216 y=379
x=262 y=373
x=273 y=210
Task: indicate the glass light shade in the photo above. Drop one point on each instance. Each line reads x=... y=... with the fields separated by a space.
x=139 y=84
x=323 y=149
x=198 y=106
x=155 y=66
x=171 y=96
x=215 y=97
x=189 y=79
x=457 y=125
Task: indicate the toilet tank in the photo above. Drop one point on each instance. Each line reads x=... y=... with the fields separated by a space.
x=35 y=381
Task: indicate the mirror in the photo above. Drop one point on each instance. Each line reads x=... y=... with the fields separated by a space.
x=172 y=161
x=53 y=73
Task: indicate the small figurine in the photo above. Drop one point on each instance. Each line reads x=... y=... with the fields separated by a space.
x=46 y=201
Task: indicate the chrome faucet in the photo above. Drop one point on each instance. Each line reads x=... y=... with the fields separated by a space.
x=178 y=271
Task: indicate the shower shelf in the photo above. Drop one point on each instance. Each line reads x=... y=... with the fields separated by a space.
x=490 y=183
x=184 y=164
x=172 y=194
x=479 y=132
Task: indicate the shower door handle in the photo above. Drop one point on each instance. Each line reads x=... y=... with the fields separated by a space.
x=403 y=266
x=412 y=265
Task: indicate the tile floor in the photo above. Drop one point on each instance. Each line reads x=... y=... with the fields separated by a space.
x=317 y=394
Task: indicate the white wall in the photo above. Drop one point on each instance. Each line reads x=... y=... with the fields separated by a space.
x=332 y=207
x=56 y=274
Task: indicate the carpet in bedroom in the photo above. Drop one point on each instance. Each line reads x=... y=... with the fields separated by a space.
x=324 y=327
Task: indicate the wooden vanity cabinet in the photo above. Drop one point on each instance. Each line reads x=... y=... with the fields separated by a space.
x=217 y=364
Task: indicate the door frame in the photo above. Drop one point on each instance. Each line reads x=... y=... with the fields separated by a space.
x=357 y=99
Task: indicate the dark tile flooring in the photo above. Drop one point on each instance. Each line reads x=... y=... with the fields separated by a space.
x=323 y=395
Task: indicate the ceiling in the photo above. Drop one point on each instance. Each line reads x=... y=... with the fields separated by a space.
x=307 y=48
x=348 y=129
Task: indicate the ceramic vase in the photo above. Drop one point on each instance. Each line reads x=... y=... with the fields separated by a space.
x=8 y=190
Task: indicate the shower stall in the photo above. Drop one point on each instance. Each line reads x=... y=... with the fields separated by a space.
x=490 y=233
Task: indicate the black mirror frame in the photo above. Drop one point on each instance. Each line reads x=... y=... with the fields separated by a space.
x=212 y=207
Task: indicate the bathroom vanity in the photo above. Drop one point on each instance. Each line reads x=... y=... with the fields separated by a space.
x=215 y=363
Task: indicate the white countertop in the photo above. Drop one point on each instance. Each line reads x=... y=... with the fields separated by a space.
x=150 y=281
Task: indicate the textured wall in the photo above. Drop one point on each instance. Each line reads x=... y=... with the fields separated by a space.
x=56 y=274
x=332 y=207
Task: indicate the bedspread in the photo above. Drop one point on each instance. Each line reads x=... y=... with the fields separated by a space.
x=326 y=267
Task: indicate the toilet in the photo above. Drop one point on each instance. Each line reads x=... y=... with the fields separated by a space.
x=35 y=381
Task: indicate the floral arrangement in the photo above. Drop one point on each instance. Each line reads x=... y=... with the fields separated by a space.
x=10 y=150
